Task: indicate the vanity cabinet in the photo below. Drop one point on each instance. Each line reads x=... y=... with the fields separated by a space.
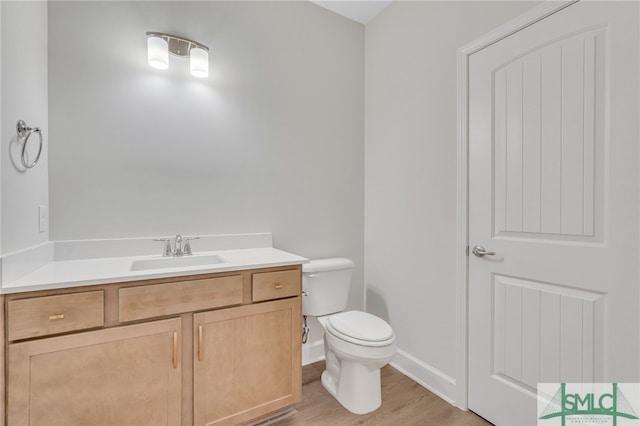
x=221 y=349
x=243 y=360
x=126 y=375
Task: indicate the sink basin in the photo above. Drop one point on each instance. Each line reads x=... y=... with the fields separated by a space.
x=175 y=262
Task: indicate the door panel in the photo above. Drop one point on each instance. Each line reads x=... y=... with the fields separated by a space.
x=118 y=376
x=246 y=361
x=553 y=190
x=549 y=138
x=544 y=332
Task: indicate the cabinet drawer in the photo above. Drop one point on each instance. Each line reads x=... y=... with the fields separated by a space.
x=158 y=300
x=41 y=316
x=276 y=285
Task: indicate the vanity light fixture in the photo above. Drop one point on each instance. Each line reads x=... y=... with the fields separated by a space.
x=158 y=53
x=159 y=45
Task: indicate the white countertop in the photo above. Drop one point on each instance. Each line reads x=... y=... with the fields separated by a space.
x=75 y=273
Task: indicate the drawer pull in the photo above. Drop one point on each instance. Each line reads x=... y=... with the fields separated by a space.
x=279 y=286
x=56 y=317
x=175 y=349
x=200 y=343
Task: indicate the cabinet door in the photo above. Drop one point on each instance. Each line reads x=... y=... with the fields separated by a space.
x=119 y=376
x=247 y=361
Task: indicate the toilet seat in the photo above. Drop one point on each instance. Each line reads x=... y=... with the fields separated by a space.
x=360 y=328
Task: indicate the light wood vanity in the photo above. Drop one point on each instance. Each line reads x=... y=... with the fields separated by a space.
x=211 y=349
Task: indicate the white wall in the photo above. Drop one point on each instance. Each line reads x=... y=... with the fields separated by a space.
x=272 y=141
x=24 y=96
x=410 y=174
x=0 y=141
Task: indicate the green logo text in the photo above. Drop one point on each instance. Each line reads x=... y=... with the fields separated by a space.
x=565 y=404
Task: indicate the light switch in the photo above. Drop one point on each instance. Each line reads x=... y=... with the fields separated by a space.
x=43 y=218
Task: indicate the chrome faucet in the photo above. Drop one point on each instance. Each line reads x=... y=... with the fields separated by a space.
x=178 y=249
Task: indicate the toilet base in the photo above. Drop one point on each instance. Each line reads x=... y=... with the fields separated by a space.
x=352 y=374
x=358 y=389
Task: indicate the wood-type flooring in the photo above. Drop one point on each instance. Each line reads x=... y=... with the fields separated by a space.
x=404 y=403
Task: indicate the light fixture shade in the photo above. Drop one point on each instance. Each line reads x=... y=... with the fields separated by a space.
x=199 y=62
x=158 y=53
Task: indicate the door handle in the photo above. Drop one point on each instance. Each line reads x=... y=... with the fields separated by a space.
x=175 y=349
x=200 y=343
x=480 y=251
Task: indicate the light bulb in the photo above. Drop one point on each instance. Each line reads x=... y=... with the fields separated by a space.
x=158 y=53
x=199 y=62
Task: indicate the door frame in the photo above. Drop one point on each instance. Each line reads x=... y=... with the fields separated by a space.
x=542 y=11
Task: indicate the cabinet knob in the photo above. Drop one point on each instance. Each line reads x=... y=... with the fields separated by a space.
x=279 y=286
x=56 y=317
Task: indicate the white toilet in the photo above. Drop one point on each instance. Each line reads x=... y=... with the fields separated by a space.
x=356 y=344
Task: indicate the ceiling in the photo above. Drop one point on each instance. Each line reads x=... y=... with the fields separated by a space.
x=361 y=11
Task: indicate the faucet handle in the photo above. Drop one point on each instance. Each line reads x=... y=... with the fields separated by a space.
x=187 y=245
x=166 y=251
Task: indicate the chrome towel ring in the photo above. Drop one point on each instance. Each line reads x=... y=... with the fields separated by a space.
x=25 y=132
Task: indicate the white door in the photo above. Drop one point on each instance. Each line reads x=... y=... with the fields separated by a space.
x=553 y=191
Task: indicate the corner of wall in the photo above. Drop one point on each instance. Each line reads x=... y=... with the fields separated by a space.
x=427 y=376
x=312 y=352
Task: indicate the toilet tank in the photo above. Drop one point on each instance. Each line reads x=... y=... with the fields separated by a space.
x=326 y=283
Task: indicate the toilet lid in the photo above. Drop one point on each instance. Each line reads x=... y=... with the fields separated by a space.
x=360 y=326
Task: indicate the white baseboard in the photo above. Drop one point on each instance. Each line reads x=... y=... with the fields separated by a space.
x=434 y=380
x=313 y=352
x=427 y=376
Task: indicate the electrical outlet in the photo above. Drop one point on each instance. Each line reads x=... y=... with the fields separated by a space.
x=43 y=218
